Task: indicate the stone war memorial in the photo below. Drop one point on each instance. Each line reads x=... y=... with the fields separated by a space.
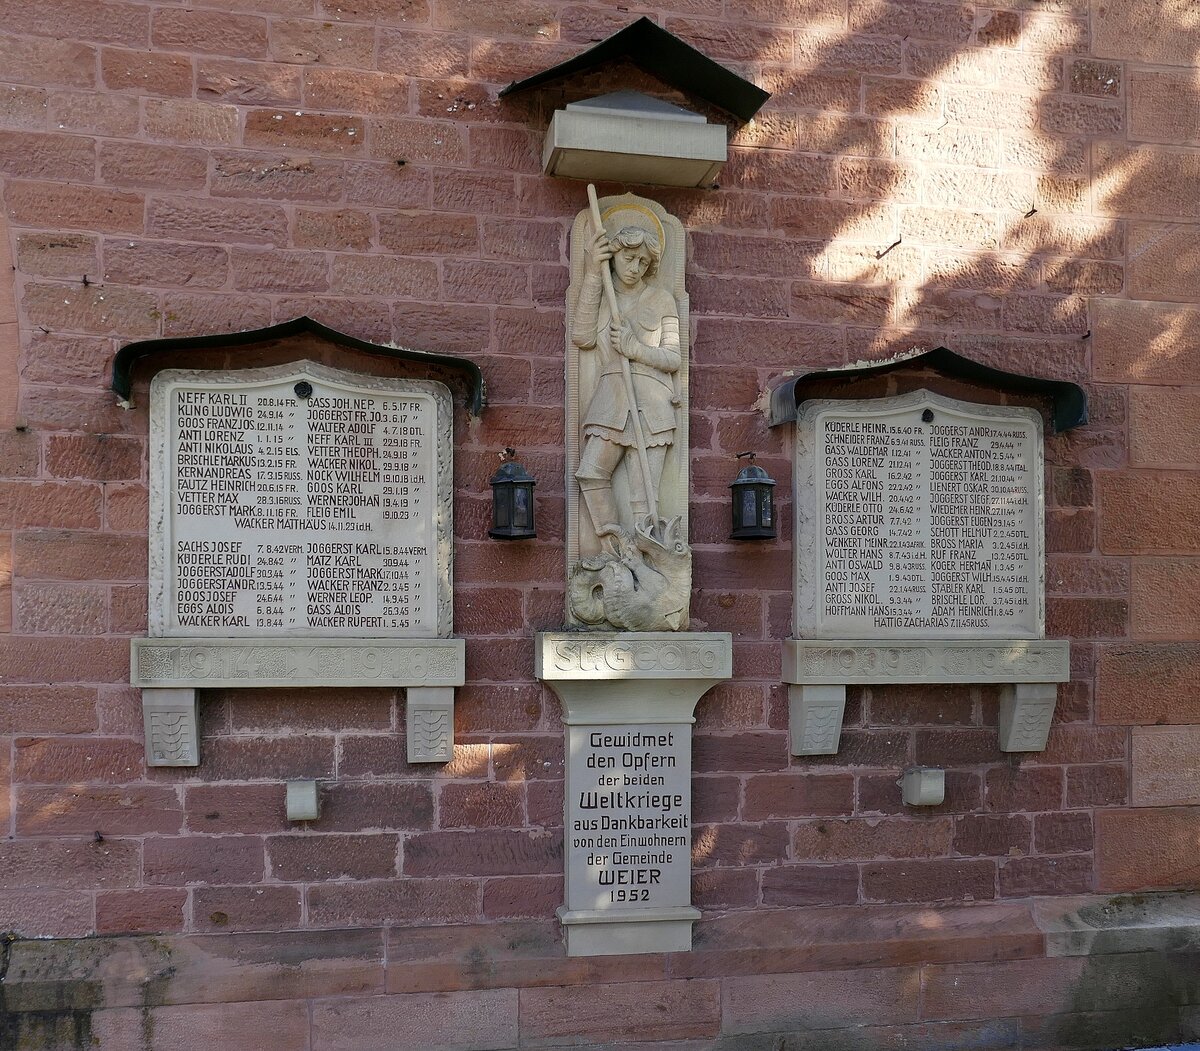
x=556 y=525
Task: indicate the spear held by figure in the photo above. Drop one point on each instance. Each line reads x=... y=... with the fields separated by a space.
x=610 y=295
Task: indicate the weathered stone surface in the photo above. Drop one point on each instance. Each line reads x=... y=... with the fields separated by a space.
x=1165 y=760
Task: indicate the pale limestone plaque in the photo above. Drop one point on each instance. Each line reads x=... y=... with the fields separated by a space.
x=629 y=835
x=918 y=517
x=919 y=558
x=300 y=500
x=300 y=534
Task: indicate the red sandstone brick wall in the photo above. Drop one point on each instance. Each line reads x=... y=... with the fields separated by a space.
x=177 y=170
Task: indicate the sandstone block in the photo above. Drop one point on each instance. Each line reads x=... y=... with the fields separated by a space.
x=1149 y=684
x=231 y=1025
x=831 y=1000
x=797 y=795
x=247 y=83
x=146 y=72
x=1143 y=513
x=94 y=113
x=1164 y=261
x=195 y=219
x=1164 y=765
x=41 y=60
x=415 y=902
x=309 y=858
x=214 y=32
x=31 y=155
x=355 y=91
x=294 y=130
x=347 y=228
x=246 y=908
x=621 y=1012
x=156 y=167
x=383 y=275
x=1063 y=833
x=279 y=271
x=487 y=852
x=304 y=41
x=1024 y=788
x=792 y=885
x=151 y=910
x=456 y=1021
x=1147 y=181
x=90 y=208
x=165 y=263
x=1145 y=30
x=1098 y=785
x=181 y=860
x=1123 y=863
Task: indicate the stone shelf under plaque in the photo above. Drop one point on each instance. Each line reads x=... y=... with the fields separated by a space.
x=171 y=670
x=628 y=699
x=300 y=535
x=919 y=557
x=818 y=671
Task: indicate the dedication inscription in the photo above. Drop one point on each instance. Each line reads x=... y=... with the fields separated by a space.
x=919 y=517
x=299 y=502
x=629 y=816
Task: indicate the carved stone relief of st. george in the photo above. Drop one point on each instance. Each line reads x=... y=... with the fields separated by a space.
x=629 y=562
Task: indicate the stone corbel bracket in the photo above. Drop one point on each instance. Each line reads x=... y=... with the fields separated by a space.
x=171 y=670
x=818 y=671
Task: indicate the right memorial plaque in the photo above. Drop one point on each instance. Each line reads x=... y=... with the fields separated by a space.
x=919 y=517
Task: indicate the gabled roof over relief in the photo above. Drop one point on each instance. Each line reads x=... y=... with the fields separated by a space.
x=662 y=54
x=1069 y=399
x=130 y=354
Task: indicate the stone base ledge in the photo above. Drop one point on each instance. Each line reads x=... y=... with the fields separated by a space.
x=864 y=662
x=251 y=663
x=601 y=933
x=880 y=977
x=47 y=974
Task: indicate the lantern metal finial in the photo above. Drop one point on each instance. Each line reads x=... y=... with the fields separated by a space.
x=753 y=503
x=512 y=500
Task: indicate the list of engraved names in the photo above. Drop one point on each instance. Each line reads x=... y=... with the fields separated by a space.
x=302 y=509
x=930 y=521
x=629 y=816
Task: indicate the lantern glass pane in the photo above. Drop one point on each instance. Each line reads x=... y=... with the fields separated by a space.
x=767 y=507
x=749 y=507
x=521 y=513
x=501 y=507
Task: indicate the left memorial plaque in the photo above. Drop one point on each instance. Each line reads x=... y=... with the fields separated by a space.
x=298 y=506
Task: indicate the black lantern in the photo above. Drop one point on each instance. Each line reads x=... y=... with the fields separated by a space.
x=512 y=502
x=753 y=504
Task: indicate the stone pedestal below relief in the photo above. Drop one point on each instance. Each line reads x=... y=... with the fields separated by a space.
x=628 y=701
x=170 y=670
